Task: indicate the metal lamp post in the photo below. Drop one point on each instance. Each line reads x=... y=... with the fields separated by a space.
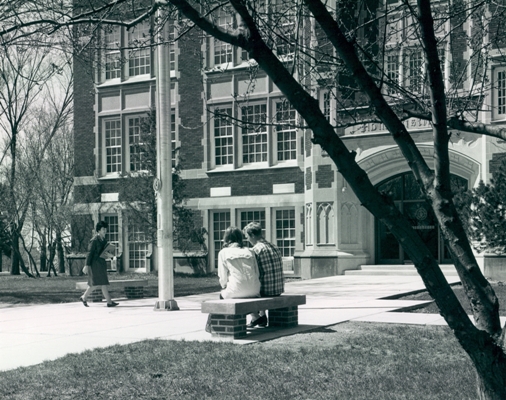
x=163 y=181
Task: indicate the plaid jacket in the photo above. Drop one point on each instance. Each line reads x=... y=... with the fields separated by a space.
x=270 y=266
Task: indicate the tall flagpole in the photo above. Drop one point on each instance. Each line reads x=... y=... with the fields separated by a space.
x=163 y=181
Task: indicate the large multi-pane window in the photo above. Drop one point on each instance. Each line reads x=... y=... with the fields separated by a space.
x=138 y=246
x=221 y=221
x=254 y=133
x=128 y=53
x=501 y=92
x=223 y=137
x=285 y=231
x=112 y=42
x=124 y=143
x=139 y=58
x=113 y=146
x=286 y=132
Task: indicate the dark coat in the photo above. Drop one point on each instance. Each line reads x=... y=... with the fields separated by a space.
x=97 y=274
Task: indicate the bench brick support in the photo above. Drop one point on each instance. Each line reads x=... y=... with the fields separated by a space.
x=228 y=325
x=287 y=317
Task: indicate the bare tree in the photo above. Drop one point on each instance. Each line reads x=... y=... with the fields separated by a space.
x=25 y=75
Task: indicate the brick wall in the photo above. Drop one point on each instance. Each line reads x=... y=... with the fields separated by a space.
x=84 y=116
x=191 y=106
x=324 y=176
x=309 y=178
x=245 y=183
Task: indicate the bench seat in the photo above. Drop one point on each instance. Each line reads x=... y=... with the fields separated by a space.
x=228 y=316
x=134 y=288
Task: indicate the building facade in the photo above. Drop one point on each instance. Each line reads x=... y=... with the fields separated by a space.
x=246 y=155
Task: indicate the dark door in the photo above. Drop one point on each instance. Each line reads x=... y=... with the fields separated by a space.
x=407 y=196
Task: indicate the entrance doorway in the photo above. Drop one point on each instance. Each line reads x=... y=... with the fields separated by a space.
x=408 y=198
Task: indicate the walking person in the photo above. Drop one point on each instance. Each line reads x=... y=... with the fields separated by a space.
x=97 y=267
x=270 y=266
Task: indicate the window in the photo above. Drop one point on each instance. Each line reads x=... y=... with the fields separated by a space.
x=112 y=235
x=139 y=58
x=500 y=89
x=283 y=19
x=326 y=105
x=138 y=246
x=392 y=72
x=325 y=229
x=254 y=134
x=173 y=137
x=112 y=134
x=222 y=50
x=286 y=132
x=172 y=46
x=252 y=216
x=221 y=221
x=415 y=70
x=135 y=125
x=285 y=231
x=112 y=42
x=223 y=137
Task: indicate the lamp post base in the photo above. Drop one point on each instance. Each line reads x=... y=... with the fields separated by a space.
x=166 y=305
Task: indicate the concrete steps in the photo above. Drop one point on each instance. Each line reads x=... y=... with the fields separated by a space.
x=397 y=270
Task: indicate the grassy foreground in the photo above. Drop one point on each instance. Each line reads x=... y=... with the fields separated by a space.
x=348 y=361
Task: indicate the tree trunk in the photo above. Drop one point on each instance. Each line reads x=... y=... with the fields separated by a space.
x=43 y=254
x=59 y=250
x=15 y=253
x=1 y=260
x=52 y=252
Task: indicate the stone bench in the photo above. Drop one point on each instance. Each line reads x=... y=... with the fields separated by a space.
x=134 y=288
x=228 y=316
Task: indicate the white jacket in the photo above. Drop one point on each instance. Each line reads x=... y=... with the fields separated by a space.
x=238 y=272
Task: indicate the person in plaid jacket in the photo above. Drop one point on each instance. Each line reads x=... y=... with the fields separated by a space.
x=270 y=265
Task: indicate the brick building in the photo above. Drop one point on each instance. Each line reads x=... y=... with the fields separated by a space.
x=271 y=173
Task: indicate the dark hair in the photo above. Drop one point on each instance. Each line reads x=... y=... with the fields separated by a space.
x=232 y=235
x=253 y=229
x=101 y=224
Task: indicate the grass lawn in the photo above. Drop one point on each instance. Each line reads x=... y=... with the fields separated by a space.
x=348 y=361
x=61 y=289
x=499 y=288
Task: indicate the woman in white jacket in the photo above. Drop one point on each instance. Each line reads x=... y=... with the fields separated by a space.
x=237 y=267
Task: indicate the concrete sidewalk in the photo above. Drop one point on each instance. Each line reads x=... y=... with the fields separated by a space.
x=32 y=334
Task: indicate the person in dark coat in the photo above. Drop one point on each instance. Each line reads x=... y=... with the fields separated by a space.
x=97 y=267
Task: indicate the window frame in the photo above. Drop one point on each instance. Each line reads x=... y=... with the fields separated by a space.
x=276 y=240
x=499 y=93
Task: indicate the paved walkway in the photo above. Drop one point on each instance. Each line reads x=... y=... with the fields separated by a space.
x=32 y=334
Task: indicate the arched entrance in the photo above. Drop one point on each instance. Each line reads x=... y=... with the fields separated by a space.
x=407 y=196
